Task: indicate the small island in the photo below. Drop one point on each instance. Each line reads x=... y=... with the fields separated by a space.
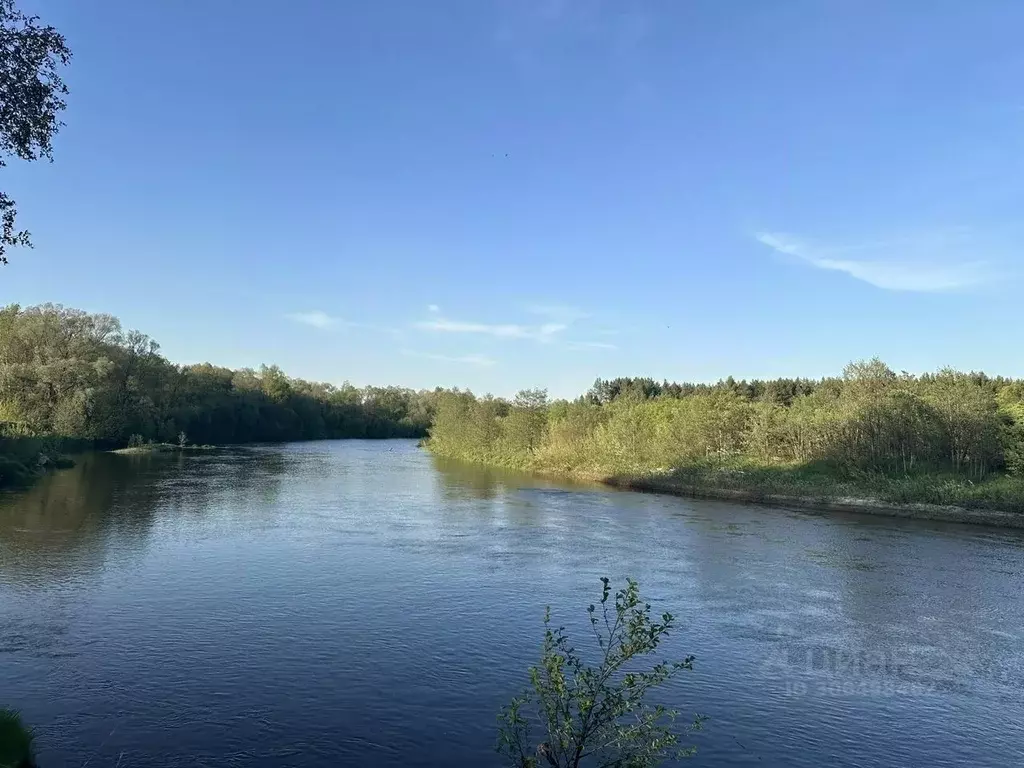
x=149 y=448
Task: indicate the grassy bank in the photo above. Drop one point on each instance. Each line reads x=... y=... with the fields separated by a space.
x=947 y=440
x=137 y=450
x=998 y=500
x=830 y=483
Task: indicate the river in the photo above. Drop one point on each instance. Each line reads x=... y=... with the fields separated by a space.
x=358 y=603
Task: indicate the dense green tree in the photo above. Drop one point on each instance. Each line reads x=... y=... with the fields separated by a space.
x=967 y=409
x=31 y=100
x=1010 y=399
x=525 y=424
x=69 y=373
x=870 y=419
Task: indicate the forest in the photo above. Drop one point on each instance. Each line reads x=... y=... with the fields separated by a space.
x=948 y=437
x=944 y=437
x=81 y=378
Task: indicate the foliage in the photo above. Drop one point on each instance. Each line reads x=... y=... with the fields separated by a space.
x=597 y=714
x=31 y=98
x=68 y=373
x=15 y=741
x=867 y=426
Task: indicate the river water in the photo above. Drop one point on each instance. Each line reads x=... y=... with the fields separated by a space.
x=358 y=603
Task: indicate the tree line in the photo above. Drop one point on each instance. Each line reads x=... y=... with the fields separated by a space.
x=72 y=374
x=869 y=419
x=69 y=373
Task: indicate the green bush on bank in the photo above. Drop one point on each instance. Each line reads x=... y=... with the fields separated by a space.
x=944 y=438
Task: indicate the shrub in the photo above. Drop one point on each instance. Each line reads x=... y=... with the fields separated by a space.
x=15 y=741
x=597 y=714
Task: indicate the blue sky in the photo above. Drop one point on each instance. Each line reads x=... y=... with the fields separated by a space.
x=509 y=193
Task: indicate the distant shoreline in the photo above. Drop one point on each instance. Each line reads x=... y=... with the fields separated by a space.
x=851 y=500
x=936 y=512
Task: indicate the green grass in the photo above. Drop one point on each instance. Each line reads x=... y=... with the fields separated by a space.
x=161 y=448
x=823 y=481
x=15 y=741
x=150 y=448
x=828 y=482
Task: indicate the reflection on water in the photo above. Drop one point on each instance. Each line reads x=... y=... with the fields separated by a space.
x=359 y=603
x=68 y=524
x=456 y=479
x=60 y=528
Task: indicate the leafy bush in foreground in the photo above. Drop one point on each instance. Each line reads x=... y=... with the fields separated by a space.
x=597 y=714
x=15 y=741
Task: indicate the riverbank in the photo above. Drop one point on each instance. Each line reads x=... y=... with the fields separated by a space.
x=945 y=446
x=997 y=501
x=871 y=506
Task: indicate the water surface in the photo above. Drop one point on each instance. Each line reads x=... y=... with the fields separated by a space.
x=356 y=603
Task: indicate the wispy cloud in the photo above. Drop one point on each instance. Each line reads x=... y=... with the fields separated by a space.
x=320 y=319
x=551 y=325
x=316 y=319
x=932 y=262
x=433 y=309
x=543 y=332
x=478 y=360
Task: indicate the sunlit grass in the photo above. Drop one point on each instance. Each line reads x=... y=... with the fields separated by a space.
x=828 y=482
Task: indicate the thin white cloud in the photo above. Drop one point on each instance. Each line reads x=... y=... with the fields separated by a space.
x=433 y=309
x=478 y=360
x=324 y=321
x=928 y=263
x=499 y=330
x=509 y=330
x=316 y=319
